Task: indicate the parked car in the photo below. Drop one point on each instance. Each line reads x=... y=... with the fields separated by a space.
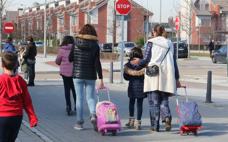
x=106 y=47
x=219 y=55
x=127 y=47
x=182 y=49
x=39 y=44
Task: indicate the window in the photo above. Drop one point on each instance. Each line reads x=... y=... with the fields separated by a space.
x=74 y=20
x=61 y=21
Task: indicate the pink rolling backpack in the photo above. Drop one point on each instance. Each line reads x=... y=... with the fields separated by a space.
x=108 y=120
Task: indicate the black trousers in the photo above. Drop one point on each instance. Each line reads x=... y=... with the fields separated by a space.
x=9 y=128
x=139 y=107
x=69 y=86
x=31 y=73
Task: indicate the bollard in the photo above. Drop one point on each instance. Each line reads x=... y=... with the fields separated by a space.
x=209 y=83
x=111 y=73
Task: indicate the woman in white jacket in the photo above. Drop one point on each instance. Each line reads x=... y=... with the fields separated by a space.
x=160 y=87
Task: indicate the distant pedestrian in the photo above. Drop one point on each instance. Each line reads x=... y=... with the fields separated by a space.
x=211 y=47
x=14 y=97
x=161 y=78
x=66 y=71
x=135 y=76
x=22 y=62
x=30 y=58
x=86 y=65
x=9 y=47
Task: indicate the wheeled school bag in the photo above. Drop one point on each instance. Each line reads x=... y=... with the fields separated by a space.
x=189 y=116
x=108 y=120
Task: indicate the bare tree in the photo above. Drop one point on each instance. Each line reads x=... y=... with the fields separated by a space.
x=186 y=7
x=186 y=20
x=2 y=7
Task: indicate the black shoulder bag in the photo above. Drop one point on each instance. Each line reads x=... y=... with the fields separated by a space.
x=154 y=69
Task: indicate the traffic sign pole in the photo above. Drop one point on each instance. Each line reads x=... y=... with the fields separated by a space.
x=122 y=48
x=123 y=7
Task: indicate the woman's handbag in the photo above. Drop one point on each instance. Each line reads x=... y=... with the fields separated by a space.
x=154 y=69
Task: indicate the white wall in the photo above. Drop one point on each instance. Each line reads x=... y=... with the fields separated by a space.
x=110 y=17
x=94 y=16
x=110 y=8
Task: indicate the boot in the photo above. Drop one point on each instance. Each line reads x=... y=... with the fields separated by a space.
x=168 y=124
x=138 y=125
x=68 y=110
x=130 y=123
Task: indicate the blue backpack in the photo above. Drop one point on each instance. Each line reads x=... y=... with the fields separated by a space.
x=189 y=114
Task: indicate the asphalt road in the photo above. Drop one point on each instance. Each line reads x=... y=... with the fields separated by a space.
x=49 y=102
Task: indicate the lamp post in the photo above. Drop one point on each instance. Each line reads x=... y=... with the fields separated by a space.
x=160 y=11
x=45 y=30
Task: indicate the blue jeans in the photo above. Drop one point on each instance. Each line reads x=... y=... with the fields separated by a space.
x=158 y=105
x=88 y=86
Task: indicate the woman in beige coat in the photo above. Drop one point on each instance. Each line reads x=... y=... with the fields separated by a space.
x=160 y=52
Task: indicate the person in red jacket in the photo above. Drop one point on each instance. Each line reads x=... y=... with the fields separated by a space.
x=14 y=97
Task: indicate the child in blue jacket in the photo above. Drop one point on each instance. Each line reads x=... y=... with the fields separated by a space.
x=135 y=76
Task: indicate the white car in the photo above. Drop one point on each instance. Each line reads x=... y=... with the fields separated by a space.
x=127 y=47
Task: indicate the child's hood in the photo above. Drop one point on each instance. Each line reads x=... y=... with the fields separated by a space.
x=11 y=85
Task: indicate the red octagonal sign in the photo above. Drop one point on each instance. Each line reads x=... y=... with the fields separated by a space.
x=8 y=27
x=123 y=7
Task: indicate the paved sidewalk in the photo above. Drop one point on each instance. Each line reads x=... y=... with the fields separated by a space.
x=58 y=127
x=26 y=135
x=46 y=65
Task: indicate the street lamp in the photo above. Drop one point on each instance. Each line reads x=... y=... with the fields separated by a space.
x=45 y=29
x=160 y=10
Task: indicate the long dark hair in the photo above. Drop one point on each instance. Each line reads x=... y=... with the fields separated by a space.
x=136 y=52
x=67 y=40
x=88 y=30
x=159 y=30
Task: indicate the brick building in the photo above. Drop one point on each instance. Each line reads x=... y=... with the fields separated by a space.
x=66 y=17
x=209 y=20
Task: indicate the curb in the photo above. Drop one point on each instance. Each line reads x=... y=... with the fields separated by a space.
x=37 y=132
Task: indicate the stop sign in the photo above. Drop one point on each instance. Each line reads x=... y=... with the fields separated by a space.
x=123 y=7
x=8 y=27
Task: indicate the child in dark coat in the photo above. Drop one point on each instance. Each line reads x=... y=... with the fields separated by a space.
x=135 y=76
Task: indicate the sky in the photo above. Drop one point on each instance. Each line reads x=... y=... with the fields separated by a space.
x=168 y=7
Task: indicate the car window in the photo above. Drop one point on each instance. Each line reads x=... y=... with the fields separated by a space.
x=129 y=45
x=39 y=43
x=223 y=49
x=108 y=45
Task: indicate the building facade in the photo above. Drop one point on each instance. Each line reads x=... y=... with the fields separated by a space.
x=66 y=17
x=209 y=20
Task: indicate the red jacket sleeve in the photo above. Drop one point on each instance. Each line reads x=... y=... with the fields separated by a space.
x=28 y=106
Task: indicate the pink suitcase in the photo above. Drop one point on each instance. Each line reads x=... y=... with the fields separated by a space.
x=108 y=120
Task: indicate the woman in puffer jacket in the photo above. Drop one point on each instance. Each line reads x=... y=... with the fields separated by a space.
x=66 y=71
x=86 y=67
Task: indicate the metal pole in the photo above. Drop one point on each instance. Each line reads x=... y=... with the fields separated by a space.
x=111 y=72
x=122 y=49
x=1 y=8
x=199 y=38
x=147 y=24
x=227 y=55
x=160 y=11
x=209 y=82
x=45 y=30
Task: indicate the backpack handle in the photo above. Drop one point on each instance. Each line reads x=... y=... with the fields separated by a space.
x=105 y=89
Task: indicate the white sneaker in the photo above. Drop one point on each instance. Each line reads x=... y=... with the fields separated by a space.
x=78 y=127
